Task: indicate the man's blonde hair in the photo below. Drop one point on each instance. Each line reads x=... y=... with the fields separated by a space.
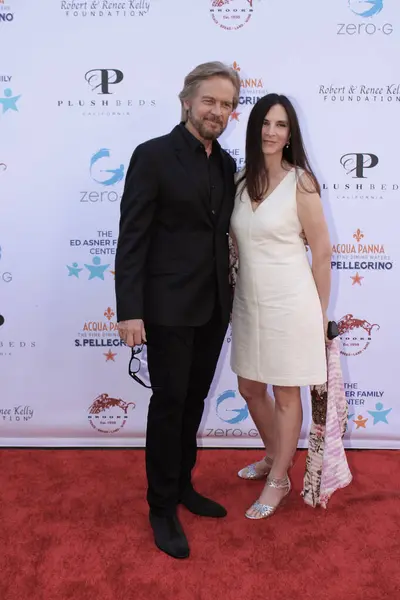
x=203 y=72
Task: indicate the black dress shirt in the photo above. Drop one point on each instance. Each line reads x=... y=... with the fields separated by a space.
x=209 y=168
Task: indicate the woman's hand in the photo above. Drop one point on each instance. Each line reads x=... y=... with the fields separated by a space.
x=326 y=321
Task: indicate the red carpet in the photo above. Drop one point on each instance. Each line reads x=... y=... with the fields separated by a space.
x=74 y=526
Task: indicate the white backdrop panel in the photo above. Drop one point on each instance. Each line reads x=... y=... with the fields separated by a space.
x=81 y=84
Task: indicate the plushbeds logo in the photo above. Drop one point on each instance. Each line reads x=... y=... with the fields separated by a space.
x=104 y=96
x=16 y=345
x=357 y=178
x=102 y=81
x=357 y=164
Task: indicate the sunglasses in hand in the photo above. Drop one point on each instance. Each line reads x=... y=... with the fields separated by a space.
x=134 y=366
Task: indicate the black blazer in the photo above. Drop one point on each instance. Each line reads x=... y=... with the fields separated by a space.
x=172 y=258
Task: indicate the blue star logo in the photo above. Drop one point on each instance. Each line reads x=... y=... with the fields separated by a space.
x=366 y=8
x=96 y=269
x=379 y=414
x=241 y=414
x=9 y=102
x=115 y=175
x=74 y=270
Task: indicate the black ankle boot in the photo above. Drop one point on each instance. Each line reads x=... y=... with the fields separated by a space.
x=202 y=506
x=169 y=536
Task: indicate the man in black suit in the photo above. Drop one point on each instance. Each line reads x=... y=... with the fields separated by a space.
x=172 y=286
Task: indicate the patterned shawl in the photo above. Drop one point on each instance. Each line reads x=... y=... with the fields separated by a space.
x=326 y=464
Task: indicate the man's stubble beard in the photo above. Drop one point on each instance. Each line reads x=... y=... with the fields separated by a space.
x=205 y=133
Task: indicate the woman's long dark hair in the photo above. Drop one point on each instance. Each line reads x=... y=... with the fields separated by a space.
x=256 y=173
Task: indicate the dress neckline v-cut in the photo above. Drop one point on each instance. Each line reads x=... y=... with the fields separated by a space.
x=270 y=194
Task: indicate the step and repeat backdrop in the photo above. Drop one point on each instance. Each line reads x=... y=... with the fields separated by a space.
x=81 y=84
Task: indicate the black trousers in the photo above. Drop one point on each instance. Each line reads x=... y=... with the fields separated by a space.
x=181 y=363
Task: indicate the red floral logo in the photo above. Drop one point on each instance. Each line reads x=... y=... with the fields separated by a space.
x=355 y=334
x=109 y=415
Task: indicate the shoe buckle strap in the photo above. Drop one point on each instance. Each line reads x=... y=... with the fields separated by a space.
x=278 y=484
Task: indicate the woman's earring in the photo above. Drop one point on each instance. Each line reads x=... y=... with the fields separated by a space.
x=288 y=144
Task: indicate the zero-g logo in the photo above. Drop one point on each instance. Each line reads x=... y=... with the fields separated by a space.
x=368 y=8
x=103 y=176
x=103 y=79
x=228 y=411
x=113 y=175
x=357 y=163
x=365 y=9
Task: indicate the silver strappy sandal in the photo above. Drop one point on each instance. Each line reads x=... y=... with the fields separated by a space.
x=265 y=510
x=251 y=472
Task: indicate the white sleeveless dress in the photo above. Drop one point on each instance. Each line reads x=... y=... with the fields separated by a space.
x=277 y=322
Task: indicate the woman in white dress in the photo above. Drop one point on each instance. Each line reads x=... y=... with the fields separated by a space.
x=279 y=319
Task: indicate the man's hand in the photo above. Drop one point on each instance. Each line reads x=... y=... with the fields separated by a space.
x=132 y=332
x=303 y=237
